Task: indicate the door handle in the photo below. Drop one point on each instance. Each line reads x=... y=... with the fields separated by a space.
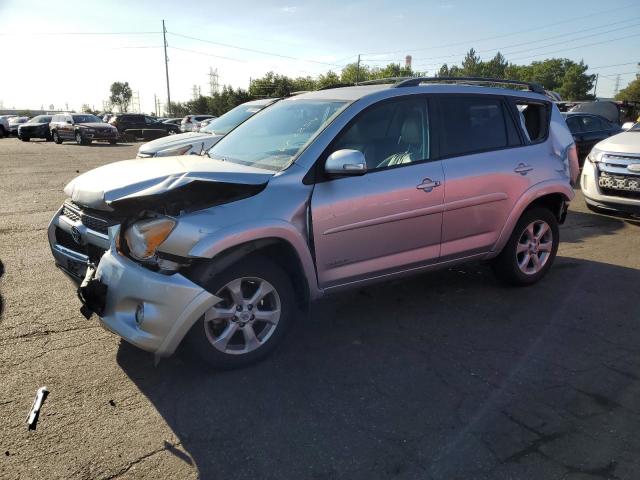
x=523 y=168
x=427 y=185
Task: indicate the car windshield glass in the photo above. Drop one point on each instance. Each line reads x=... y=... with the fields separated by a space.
x=227 y=122
x=86 y=119
x=274 y=137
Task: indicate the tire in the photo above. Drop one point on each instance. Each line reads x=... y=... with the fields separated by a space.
x=3 y=132
x=112 y=142
x=79 y=139
x=215 y=325
x=56 y=138
x=48 y=137
x=516 y=264
x=25 y=139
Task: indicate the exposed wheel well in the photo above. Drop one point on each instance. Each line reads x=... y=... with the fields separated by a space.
x=275 y=249
x=555 y=202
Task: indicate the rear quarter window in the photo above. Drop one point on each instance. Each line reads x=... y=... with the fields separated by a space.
x=534 y=119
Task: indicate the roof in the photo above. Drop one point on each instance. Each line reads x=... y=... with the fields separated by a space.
x=360 y=91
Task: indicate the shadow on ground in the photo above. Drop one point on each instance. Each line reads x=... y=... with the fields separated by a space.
x=447 y=375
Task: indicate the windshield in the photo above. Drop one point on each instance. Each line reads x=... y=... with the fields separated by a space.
x=273 y=138
x=86 y=119
x=230 y=120
x=40 y=119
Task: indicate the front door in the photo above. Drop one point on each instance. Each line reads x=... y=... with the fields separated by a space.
x=388 y=219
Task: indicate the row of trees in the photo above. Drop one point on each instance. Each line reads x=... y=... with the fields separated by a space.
x=561 y=75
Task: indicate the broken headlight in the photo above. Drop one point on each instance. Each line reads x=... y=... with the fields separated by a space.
x=595 y=155
x=145 y=236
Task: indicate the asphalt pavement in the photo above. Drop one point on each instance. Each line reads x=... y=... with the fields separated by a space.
x=448 y=375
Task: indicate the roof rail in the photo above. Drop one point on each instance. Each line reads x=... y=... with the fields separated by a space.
x=382 y=81
x=337 y=85
x=415 y=81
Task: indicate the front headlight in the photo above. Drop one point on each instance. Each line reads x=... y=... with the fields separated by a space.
x=145 y=236
x=91 y=130
x=174 y=151
x=595 y=155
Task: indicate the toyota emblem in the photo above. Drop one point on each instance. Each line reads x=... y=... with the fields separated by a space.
x=77 y=236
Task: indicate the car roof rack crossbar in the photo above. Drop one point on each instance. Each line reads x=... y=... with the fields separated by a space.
x=415 y=81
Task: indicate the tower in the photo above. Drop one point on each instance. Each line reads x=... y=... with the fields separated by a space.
x=214 y=84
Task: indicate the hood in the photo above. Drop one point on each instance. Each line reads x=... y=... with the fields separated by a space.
x=626 y=142
x=122 y=181
x=174 y=141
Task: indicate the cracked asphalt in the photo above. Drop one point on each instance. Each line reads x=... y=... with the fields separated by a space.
x=448 y=375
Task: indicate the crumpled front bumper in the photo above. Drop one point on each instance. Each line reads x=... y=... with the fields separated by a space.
x=148 y=309
x=594 y=196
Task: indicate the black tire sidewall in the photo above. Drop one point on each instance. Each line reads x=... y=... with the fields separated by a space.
x=196 y=340
x=81 y=141
x=505 y=265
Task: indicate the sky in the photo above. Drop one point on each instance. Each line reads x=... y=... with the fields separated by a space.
x=69 y=55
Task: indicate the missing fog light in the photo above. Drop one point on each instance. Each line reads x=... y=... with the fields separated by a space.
x=140 y=313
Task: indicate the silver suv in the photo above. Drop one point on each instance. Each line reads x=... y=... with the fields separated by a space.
x=320 y=192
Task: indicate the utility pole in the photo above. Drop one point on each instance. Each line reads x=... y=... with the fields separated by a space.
x=617 y=87
x=595 y=87
x=358 y=70
x=166 y=67
x=155 y=105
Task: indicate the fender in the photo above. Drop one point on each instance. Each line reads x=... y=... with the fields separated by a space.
x=234 y=235
x=538 y=190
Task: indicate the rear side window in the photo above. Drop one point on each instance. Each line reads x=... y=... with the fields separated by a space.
x=592 y=124
x=574 y=124
x=473 y=124
x=534 y=120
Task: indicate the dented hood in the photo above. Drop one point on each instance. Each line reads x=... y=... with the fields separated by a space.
x=100 y=187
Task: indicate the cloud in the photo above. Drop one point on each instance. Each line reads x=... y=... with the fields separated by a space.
x=289 y=9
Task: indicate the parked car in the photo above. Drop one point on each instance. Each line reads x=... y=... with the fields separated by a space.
x=318 y=193
x=83 y=128
x=14 y=123
x=173 y=121
x=203 y=124
x=37 y=127
x=142 y=126
x=610 y=178
x=196 y=143
x=4 y=127
x=587 y=130
x=191 y=123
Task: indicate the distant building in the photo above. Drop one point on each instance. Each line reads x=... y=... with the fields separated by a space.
x=407 y=61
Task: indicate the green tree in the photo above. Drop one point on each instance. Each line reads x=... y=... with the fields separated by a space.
x=472 y=65
x=121 y=95
x=631 y=92
x=328 y=79
x=576 y=84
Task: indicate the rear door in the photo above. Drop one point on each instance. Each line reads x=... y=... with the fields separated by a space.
x=486 y=169
x=389 y=219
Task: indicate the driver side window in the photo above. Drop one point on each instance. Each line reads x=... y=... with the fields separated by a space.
x=390 y=133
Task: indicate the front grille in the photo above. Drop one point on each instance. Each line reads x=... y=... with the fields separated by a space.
x=92 y=222
x=66 y=240
x=620 y=193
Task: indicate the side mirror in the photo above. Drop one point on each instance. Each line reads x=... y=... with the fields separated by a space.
x=627 y=125
x=69 y=122
x=346 y=163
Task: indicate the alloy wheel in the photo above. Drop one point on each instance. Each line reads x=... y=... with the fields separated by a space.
x=534 y=247
x=246 y=318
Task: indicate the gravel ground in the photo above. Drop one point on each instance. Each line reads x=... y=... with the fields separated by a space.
x=444 y=376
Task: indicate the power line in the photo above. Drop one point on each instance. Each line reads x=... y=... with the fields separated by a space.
x=84 y=33
x=262 y=52
x=207 y=54
x=519 y=32
x=579 y=46
x=506 y=47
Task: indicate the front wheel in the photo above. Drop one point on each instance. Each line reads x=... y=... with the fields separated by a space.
x=257 y=304
x=531 y=249
x=79 y=139
x=25 y=139
x=112 y=142
x=56 y=137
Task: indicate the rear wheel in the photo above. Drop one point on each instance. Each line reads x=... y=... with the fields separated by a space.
x=79 y=139
x=113 y=142
x=56 y=137
x=3 y=133
x=531 y=249
x=25 y=139
x=257 y=304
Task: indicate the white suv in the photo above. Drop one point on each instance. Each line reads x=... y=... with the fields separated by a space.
x=611 y=175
